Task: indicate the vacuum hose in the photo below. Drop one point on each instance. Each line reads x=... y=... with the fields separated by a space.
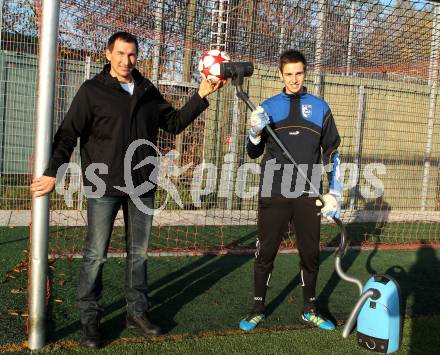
x=355 y=312
x=341 y=252
x=344 y=276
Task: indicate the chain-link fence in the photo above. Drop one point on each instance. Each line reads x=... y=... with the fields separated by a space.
x=374 y=62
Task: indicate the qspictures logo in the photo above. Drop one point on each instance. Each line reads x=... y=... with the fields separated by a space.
x=207 y=178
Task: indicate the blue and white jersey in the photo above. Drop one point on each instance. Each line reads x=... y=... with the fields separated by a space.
x=305 y=125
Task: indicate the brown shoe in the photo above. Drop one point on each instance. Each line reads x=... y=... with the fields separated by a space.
x=142 y=323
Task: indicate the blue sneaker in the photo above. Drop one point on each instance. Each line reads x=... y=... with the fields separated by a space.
x=313 y=317
x=251 y=321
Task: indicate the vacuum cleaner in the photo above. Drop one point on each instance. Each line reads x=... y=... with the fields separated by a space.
x=378 y=315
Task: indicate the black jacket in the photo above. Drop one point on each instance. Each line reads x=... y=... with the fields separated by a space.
x=305 y=125
x=107 y=120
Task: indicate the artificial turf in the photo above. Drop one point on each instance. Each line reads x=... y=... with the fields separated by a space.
x=198 y=296
x=420 y=337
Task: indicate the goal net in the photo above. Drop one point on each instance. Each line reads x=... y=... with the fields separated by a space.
x=374 y=62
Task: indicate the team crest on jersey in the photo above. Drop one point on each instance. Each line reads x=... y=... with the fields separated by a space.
x=306 y=110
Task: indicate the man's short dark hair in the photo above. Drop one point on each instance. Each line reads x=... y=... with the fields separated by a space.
x=123 y=36
x=292 y=56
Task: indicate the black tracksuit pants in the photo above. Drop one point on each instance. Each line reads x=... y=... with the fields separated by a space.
x=274 y=214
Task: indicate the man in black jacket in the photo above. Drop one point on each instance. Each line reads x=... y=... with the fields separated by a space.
x=110 y=113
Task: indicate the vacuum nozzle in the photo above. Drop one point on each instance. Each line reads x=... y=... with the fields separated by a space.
x=231 y=70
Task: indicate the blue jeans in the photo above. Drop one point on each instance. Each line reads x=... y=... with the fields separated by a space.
x=101 y=214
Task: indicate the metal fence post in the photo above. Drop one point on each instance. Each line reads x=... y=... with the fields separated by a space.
x=358 y=145
x=319 y=50
x=433 y=77
x=158 y=20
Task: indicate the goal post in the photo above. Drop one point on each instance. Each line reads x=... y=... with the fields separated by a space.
x=47 y=61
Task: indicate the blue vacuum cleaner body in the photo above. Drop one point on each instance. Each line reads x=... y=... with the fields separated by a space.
x=379 y=324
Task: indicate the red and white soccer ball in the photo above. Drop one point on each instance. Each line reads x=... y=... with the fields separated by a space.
x=209 y=65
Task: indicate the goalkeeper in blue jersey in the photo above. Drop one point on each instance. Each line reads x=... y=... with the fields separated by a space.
x=305 y=125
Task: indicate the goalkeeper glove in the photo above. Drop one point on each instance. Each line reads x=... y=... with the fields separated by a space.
x=332 y=206
x=332 y=200
x=259 y=120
